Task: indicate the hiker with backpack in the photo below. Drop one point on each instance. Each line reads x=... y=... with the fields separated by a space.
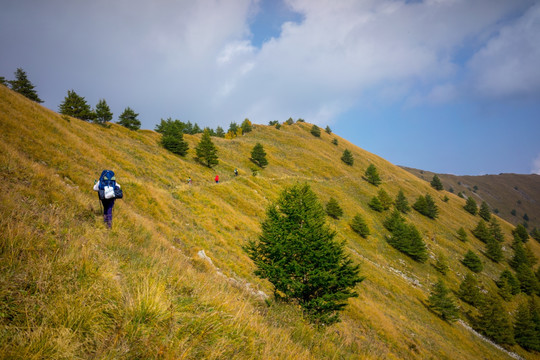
x=108 y=190
x=217 y=179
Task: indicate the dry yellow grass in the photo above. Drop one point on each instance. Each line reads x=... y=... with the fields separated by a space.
x=71 y=289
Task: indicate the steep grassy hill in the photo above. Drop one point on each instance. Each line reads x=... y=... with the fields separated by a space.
x=503 y=193
x=70 y=288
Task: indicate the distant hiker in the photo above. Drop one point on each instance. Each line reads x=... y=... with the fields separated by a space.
x=235 y=172
x=108 y=190
x=217 y=179
x=189 y=180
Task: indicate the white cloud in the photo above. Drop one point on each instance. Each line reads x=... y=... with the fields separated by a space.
x=508 y=64
x=536 y=165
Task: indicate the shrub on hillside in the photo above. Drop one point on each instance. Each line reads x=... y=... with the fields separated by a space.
x=462 y=234
x=471 y=206
x=347 y=157
x=359 y=226
x=372 y=175
x=335 y=142
x=258 y=155
x=436 y=183
x=128 y=119
x=407 y=239
x=484 y=211
x=315 y=131
x=297 y=253
x=401 y=203
x=328 y=130
x=333 y=209
x=289 y=121
x=472 y=261
x=426 y=206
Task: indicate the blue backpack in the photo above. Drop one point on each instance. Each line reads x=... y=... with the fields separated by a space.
x=106 y=179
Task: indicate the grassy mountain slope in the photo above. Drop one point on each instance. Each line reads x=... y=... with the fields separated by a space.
x=504 y=192
x=72 y=289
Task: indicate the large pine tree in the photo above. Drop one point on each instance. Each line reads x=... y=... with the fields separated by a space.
x=23 y=86
x=206 y=151
x=103 y=112
x=76 y=106
x=297 y=253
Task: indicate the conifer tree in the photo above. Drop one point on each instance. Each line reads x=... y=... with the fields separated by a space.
x=246 y=126
x=335 y=142
x=535 y=233
x=407 y=239
x=425 y=205
x=328 y=130
x=23 y=86
x=440 y=302
x=494 y=250
x=436 y=183
x=289 y=121
x=520 y=232
x=401 y=202
x=220 y=132
x=128 y=119
x=375 y=204
x=471 y=206
x=297 y=253
x=347 y=157
x=372 y=175
x=315 y=131
x=520 y=256
x=76 y=106
x=527 y=279
x=359 y=225
x=206 y=151
x=173 y=137
x=441 y=264
x=258 y=155
x=469 y=290
x=495 y=230
x=333 y=209
x=3 y=81
x=525 y=331
x=508 y=278
x=494 y=322
x=484 y=212
x=103 y=112
x=472 y=261
x=462 y=234
x=481 y=231
x=385 y=199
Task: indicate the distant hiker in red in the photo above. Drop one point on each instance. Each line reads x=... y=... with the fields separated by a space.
x=217 y=179
x=108 y=190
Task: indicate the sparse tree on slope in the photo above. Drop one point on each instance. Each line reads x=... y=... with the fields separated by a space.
x=469 y=291
x=315 y=131
x=358 y=224
x=258 y=155
x=481 y=231
x=220 y=132
x=520 y=232
x=385 y=199
x=472 y=261
x=246 y=126
x=401 y=202
x=494 y=322
x=440 y=302
x=372 y=175
x=206 y=151
x=347 y=157
x=76 y=106
x=328 y=130
x=297 y=253
x=425 y=205
x=507 y=277
x=494 y=250
x=462 y=234
x=103 y=112
x=471 y=206
x=484 y=212
x=23 y=86
x=525 y=331
x=128 y=119
x=436 y=183
x=333 y=209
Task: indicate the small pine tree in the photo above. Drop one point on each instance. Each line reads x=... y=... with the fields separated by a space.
x=481 y=231
x=425 y=205
x=440 y=302
x=333 y=209
x=129 y=119
x=527 y=279
x=471 y=206
x=472 y=261
x=103 y=112
x=526 y=332
x=494 y=250
x=507 y=277
x=347 y=157
x=258 y=155
x=246 y=126
x=495 y=230
x=289 y=121
x=520 y=232
x=436 y=183
x=520 y=256
x=462 y=234
x=385 y=199
x=220 y=132
x=328 y=130
x=297 y=253
x=335 y=142
x=76 y=106
x=469 y=290
x=375 y=204
x=372 y=175
x=206 y=151
x=494 y=322
x=485 y=212
x=441 y=264
x=401 y=203
x=535 y=233
x=23 y=86
x=315 y=131
x=406 y=238
x=359 y=226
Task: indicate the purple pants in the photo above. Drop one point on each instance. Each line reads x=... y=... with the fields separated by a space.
x=107 y=211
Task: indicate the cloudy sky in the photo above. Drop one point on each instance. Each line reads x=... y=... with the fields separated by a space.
x=451 y=86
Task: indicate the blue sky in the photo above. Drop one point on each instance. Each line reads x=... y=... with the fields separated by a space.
x=451 y=86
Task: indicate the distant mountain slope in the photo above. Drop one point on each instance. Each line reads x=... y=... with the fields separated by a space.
x=511 y=196
x=171 y=279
